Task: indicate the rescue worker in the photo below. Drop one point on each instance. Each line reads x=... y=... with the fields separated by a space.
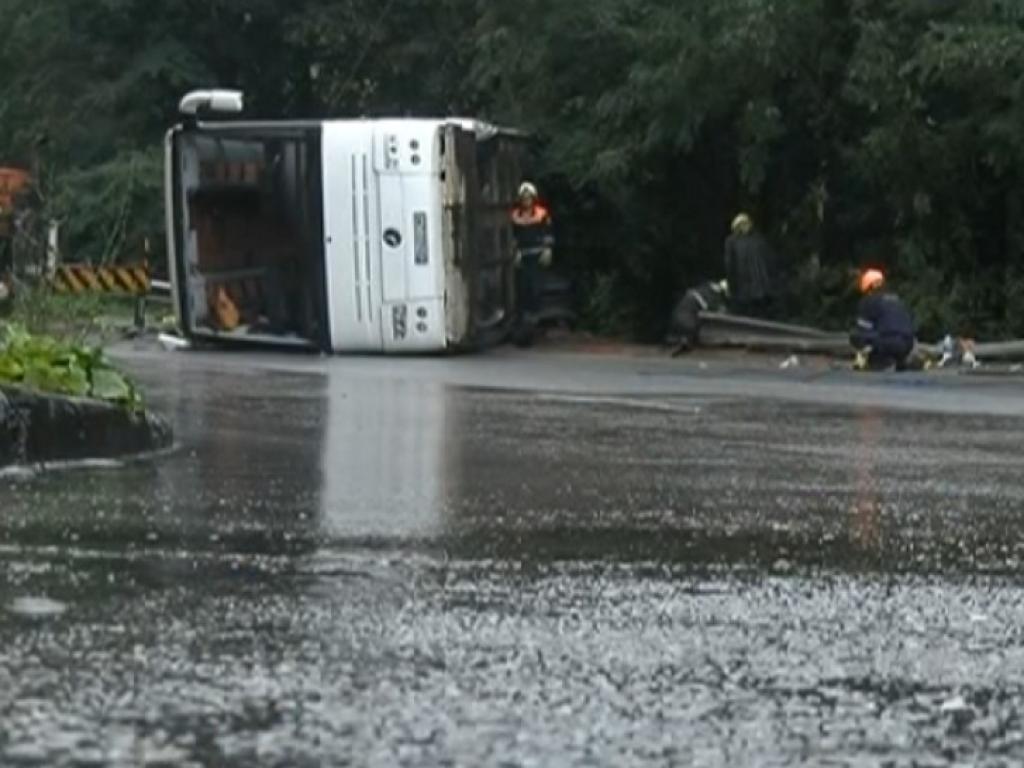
x=534 y=239
x=884 y=333
x=684 y=325
x=750 y=266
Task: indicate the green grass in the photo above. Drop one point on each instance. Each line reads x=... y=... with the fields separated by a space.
x=94 y=319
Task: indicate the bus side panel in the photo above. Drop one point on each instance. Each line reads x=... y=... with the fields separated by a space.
x=351 y=237
x=461 y=192
x=316 y=241
x=182 y=172
x=498 y=175
x=172 y=216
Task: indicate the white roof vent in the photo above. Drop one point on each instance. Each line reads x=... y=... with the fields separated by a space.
x=216 y=100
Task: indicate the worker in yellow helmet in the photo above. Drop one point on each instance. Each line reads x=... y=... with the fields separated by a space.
x=883 y=335
x=751 y=269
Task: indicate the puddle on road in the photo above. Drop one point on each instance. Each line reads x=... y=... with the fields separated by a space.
x=402 y=573
x=37 y=607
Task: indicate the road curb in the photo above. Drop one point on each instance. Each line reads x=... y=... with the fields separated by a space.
x=38 y=428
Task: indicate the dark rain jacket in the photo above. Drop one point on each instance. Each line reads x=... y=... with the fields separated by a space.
x=883 y=319
x=750 y=264
x=685 y=320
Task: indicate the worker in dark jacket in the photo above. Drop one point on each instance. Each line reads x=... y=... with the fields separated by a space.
x=750 y=267
x=532 y=228
x=684 y=325
x=884 y=333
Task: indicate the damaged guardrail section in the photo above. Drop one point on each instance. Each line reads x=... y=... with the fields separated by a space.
x=37 y=428
x=718 y=329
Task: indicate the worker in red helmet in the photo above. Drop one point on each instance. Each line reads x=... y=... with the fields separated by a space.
x=883 y=336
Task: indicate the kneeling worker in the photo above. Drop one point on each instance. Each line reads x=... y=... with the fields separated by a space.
x=884 y=334
x=684 y=325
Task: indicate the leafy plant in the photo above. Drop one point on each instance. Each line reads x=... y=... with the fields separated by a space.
x=46 y=364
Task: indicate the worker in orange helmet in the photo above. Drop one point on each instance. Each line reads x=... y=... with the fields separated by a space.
x=884 y=332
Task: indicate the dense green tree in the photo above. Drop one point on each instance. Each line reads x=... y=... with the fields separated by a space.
x=91 y=86
x=673 y=116
x=387 y=57
x=855 y=131
x=937 y=164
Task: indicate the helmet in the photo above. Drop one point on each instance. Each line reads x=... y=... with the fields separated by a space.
x=722 y=287
x=527 y=188
x=742 y=224
x=871 y=279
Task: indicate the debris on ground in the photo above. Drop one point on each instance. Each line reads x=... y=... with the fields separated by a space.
x=790 y=362
x=172 y=343
x=958 y=351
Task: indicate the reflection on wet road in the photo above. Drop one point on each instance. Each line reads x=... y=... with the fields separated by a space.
x=341 y=567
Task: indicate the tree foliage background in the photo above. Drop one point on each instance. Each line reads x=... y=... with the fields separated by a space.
x=855 y=131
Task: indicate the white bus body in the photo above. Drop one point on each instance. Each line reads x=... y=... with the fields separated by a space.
x=343 y=235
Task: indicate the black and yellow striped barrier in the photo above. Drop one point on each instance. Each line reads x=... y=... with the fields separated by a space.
x=86 y=278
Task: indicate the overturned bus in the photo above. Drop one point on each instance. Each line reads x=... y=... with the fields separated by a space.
x=341 y=235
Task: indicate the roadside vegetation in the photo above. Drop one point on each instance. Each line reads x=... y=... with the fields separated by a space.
x=46 y=364
x=88 y=319
x=54 y=344
x=856 y=132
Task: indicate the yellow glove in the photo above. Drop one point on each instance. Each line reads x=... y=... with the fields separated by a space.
x=860 y=361
x=546 y=257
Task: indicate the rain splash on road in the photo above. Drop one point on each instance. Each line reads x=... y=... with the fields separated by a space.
x=359 y=570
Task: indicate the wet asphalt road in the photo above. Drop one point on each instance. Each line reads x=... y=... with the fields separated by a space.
x=525 y=559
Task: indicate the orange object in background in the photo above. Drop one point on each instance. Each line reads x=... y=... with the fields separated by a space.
x=12 y=181
x=225 y=311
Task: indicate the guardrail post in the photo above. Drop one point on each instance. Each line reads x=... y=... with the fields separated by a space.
x=140 y=312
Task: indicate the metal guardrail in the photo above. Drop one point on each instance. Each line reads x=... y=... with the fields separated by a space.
x=718 y=329
x=722 y=324
x=721 y=330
